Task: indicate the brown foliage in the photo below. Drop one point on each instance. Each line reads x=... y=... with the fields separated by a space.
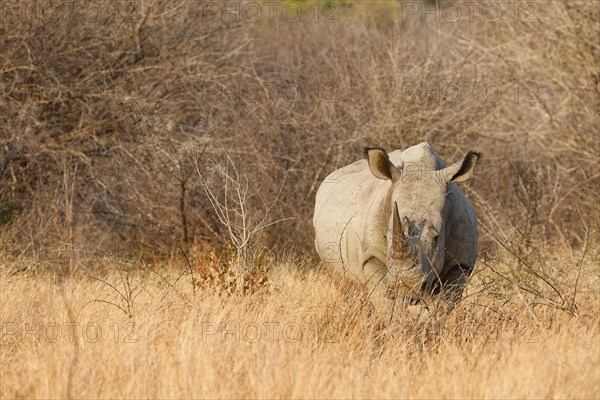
x=105 y=120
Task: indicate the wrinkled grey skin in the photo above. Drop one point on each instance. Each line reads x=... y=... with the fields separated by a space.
x=399 y=222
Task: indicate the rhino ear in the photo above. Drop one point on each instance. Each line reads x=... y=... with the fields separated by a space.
x=462 y=170
x=380 y=164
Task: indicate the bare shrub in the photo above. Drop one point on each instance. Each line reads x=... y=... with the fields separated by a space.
x=102 y=118
x=235 y=196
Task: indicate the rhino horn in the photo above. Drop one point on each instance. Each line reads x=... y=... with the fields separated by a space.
x=399 y=238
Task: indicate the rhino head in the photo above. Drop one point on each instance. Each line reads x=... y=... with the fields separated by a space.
x=417 y=214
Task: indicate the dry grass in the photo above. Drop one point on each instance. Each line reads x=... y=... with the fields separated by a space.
x=102 y=119
x=142 y=334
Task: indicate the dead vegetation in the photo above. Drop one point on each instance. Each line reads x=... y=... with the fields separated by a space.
x=158 y=333
x=105 y=120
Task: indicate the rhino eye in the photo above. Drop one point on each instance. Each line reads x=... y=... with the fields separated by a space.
x=435 y=240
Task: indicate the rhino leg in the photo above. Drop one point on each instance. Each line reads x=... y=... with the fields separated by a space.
x=454 y=281
x=374 y=272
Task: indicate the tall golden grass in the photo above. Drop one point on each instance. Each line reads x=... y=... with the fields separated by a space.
x=151 y=333
x=109 y=107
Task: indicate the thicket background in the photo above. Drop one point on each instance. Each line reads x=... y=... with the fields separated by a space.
x=117 y=119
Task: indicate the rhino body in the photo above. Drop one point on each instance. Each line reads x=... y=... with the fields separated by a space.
x=399 y=222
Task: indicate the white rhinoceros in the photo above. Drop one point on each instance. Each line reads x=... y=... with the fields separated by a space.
x=399 y=222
